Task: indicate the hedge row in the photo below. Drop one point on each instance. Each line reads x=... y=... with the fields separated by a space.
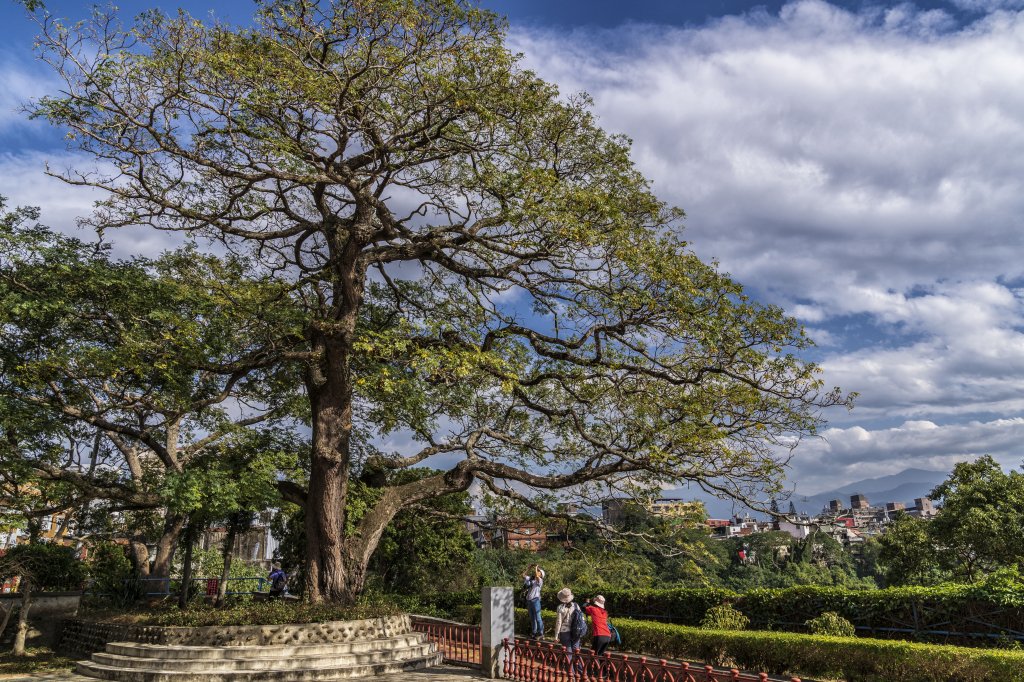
x=963 y=614
x=783 y=653
x=860 y=659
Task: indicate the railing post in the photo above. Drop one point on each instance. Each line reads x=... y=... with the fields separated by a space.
x=497 y=622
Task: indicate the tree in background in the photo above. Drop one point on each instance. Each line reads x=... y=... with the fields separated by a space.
x=40 y=566
x=228 y=484
x=426 y=548
x=117 y=374
x=907 y=554
x=477 y=263
x=981 y=524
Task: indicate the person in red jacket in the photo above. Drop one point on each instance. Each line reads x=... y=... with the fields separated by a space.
x=599 y=617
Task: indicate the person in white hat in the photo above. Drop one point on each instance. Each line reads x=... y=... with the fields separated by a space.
x=599 y=617
x=567 y=611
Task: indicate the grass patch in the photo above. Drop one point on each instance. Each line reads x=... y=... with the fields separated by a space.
x=35 y=660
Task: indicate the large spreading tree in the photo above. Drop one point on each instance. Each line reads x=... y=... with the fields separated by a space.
x=479 y=266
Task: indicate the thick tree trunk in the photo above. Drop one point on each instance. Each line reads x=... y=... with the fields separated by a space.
x=227 y=554
x=186 y=567
x=166 y=546
x=21 y=634
x=138 y=554
x=325 y=502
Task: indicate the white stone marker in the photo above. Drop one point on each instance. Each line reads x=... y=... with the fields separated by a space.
x=497 y=621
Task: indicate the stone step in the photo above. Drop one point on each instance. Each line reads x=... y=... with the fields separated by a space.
x=285 y=660
x=191 y=652
x=317 y=674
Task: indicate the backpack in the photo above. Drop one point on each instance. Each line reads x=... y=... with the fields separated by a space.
x=616 y=637
x=577 y=623
x=279 y=582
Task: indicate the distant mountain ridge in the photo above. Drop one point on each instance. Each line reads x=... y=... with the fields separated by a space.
x=902 y=487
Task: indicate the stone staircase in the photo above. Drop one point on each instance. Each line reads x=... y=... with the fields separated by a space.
x=262 y=662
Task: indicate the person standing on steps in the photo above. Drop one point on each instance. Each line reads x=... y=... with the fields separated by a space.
x=599 y=617
x=533 y=580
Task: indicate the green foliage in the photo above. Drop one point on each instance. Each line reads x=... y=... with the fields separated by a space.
x=724 y=617
x=981 y=524
x=686 y=606
x=111 y=571
x=289 y=529
x=831 y=624
x=978 y=611
x=49 y=567
x=864 y=660
x=590 y=573
x=426 y=550
x=814 y=656
x=499 y=566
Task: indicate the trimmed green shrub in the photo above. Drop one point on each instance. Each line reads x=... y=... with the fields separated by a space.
x=975 y=614
x=685 y=606
x=724 y=617
x=815 y=656
x=830 y=624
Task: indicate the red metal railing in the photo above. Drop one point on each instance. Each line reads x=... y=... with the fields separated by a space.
x=532 y=661
x=459 y=643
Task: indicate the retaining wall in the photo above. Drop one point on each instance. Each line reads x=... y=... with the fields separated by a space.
x=83 y=637
x=46 y=616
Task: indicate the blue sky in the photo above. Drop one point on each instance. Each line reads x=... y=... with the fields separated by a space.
x=859 y=163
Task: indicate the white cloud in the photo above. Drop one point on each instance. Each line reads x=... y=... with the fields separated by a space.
x=20 y=82
x=988 y=5
x=866 y=170
x=845 y=455
x=26 y=184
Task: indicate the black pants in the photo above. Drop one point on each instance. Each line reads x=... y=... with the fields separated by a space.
x=600 y=644
x=274 y=594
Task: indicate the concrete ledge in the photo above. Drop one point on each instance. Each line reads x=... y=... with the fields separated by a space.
x=82 y=637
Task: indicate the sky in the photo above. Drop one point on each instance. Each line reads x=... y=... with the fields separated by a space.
x=860 y=164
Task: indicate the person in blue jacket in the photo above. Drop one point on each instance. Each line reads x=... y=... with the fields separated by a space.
x=278 y=581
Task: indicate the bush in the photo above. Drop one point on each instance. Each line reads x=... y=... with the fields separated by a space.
x=724 y=617
x=972 y=613
x=814 y=656
x=830 y=624
x=111 y=573
x=685 y=606
x=49 y=566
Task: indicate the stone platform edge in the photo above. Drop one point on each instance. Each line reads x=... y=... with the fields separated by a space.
x=82 y=637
